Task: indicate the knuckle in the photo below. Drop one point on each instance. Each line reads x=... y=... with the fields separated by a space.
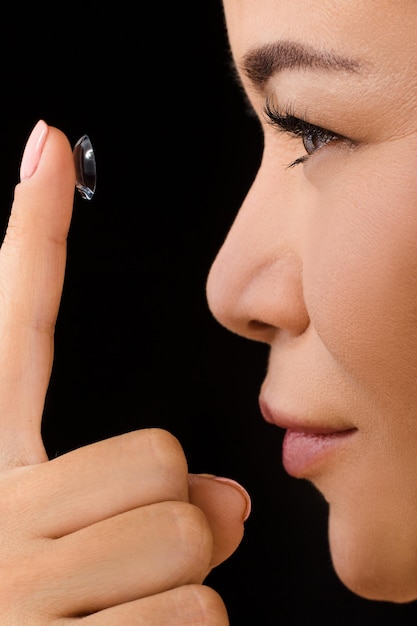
x=18 y=597
x=194 y=540
x=15 y=226
x=202 y=605
x=168 y=455
x=162 y=452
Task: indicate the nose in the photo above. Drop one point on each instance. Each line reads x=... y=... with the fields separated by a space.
x=255 y=284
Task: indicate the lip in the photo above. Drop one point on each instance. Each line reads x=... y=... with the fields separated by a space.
x=304 y=453
x=306 y=446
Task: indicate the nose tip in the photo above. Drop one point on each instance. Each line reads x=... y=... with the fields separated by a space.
x=259 y=298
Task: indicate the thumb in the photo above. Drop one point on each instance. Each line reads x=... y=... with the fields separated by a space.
x=32 y=267
x=226 y=505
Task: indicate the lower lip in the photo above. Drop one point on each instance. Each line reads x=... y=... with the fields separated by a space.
x=304 y=451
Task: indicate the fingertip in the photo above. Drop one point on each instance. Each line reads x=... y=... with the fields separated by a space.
x=245 y=497
x=47 y=152
x=57 y=159
x=43 y=200
x=226 y=505
x=33 y=150
x=227 y=489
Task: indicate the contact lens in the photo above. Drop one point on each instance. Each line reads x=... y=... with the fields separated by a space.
x=85 y=167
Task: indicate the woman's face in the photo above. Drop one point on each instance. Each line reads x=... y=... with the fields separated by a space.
x=321 y=263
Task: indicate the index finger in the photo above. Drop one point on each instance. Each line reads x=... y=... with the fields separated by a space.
x=32 y=267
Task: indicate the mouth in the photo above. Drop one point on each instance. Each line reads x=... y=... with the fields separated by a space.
x=307 y=446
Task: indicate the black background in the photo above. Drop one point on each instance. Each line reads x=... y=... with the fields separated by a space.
x=135 y=343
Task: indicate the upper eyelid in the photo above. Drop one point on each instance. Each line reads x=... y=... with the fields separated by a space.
x=300 y=128
x=290 y=123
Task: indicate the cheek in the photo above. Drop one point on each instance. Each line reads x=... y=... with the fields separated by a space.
x=360 y=278
x=360 y=286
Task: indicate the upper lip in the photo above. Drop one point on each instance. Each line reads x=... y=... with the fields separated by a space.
x=274 y=416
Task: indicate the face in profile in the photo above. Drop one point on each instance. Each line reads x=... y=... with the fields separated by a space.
x=321 y=264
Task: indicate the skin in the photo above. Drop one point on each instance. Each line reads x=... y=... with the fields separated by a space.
x=321 y=264
x=77 y=532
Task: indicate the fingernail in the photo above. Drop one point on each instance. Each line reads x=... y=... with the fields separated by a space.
x=33 y=150
x=242 y=491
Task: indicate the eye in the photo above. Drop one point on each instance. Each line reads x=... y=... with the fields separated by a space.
x=313 y=137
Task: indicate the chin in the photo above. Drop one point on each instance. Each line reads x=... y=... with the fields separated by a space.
x=378 y=589
x=374 y=570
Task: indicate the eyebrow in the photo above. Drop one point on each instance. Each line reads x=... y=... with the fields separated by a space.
x=262 y=63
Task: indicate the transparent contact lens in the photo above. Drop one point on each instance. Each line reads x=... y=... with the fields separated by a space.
x=85 y=167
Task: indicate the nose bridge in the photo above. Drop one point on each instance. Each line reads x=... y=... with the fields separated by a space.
x=255 y=284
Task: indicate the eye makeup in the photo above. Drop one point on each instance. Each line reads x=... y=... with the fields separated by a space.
x=313 y=137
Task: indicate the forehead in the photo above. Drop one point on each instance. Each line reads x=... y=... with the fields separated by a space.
x=381 y=35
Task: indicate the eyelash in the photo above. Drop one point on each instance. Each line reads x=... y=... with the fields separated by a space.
x=297 y=127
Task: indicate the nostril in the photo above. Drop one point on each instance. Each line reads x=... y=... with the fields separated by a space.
x=258 y=326
x=266 y=333
x=260 y=331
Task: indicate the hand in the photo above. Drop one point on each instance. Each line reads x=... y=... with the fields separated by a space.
x=114 y=533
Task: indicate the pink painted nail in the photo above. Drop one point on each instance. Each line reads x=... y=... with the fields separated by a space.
x=33 y=150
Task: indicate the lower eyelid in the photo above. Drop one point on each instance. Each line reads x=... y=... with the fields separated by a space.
x=346 y=144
